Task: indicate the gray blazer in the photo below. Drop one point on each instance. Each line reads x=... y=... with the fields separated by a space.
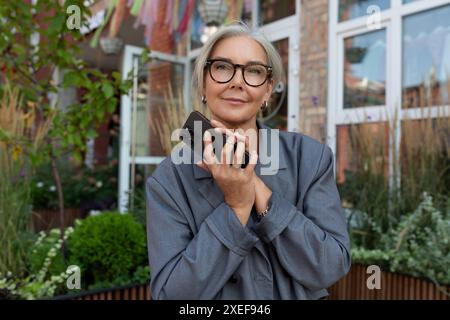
x=198 y=249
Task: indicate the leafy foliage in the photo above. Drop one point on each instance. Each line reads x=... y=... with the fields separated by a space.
x=81 y=186
x=419 y=244
x=108 y=247
x=47 y=275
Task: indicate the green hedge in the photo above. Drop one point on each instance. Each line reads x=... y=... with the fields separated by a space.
x=109 y=248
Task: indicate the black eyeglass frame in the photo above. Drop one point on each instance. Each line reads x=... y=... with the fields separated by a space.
x=269 y=69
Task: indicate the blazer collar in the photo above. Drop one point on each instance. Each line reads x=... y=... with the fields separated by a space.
x=200 y=173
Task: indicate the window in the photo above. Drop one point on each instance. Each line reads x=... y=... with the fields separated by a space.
x=425 y=156
x=277 y=113
x=159 y=92
x=350 y=9
x=361 y=148
x=399 y=76
x=426 y=58
x=365 y=70
x=272 y=10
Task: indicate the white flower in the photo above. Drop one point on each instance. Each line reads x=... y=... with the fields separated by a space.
x=40 y=184
x=52 y=188
x=99 y=184
x=94 y=212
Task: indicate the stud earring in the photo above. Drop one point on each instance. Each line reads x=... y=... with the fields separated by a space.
x=264 y=106
x=203 y=99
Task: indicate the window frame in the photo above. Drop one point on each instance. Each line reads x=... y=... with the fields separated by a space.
x=392 y=20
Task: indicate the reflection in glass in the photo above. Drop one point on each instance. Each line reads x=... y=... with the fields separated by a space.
x=276 y=114
x=159 y=104
x=426 y=58
x=237 y=10
x=365 y=70
x=350 y=9
x=362 y=149
x=272 y=10
x=425 y=156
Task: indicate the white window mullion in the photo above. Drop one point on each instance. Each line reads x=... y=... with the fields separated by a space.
x=333 y=80
x=361 y=22
x=125 y=133
x=395 y=62
x=426 y=113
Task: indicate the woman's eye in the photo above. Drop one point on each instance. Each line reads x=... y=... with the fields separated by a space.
x=254 y=70
x=222 y=66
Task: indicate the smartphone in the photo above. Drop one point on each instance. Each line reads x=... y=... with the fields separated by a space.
x=206 y=125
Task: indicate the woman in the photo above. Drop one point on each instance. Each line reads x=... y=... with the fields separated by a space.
x=218 y=231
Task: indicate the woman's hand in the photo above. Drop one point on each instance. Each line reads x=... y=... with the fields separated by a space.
x=237 y=184
x=262 y=192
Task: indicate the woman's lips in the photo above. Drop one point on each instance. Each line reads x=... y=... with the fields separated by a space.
x=234 y=101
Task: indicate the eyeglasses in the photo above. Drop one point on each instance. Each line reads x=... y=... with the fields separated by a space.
x=254 y=74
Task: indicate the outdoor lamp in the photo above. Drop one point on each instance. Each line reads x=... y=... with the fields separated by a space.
x=213 y=13
x=111 y=45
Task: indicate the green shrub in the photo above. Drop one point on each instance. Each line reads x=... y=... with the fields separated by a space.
x=419 y=245
x=140 y=276
x=47 y=271
x=107 y=247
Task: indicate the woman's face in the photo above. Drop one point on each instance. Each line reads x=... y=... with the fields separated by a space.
x=235 y=103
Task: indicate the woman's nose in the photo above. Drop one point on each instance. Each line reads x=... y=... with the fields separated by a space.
x=238 y=79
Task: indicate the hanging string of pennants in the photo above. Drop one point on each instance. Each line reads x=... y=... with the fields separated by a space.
x=178 y=15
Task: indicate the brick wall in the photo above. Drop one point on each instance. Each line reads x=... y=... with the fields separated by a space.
x=313 y=71
x=159 y=76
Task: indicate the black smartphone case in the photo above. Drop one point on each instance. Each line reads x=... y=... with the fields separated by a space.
x=206 y=125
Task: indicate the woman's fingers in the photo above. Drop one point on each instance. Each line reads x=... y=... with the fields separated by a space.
x=203 y=166
x=239 y=136
x=208 y=152
x=228 y=150
x=238 y=159
x=252 y=163
x=225 y=131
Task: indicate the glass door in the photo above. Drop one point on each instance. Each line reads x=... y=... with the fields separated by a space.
x=154 y=108
x=283 y=111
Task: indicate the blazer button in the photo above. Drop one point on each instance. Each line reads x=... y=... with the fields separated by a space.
x=233 y=279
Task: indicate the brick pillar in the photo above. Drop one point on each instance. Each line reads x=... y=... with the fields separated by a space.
x=313 y=72
x=159 y=76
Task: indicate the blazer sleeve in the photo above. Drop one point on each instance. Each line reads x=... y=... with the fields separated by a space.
x=188 y=266
x=311 y=240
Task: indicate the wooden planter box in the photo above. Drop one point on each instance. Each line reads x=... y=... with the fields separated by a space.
x=393 y=287
x=132 y=292
x=46 y=219
x=352 y=287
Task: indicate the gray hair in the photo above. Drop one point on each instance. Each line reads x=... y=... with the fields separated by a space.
x=229 y=31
